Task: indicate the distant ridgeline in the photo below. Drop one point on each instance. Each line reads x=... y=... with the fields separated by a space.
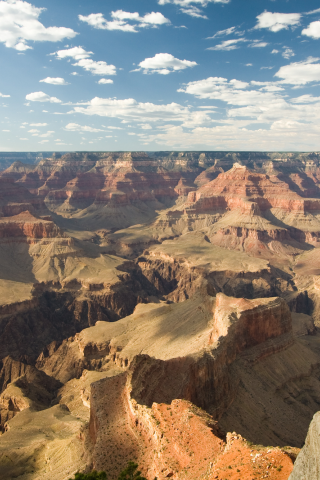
x=7 y=158
x=174 y=160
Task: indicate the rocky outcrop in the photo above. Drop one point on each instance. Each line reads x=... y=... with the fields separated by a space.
x=307 y=465
x=26 y=225
x=176 y=440
x=23 y=386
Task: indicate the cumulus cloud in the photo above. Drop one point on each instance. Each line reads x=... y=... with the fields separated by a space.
x=19 y=24
x=38 y=124
x=277 y=21
x=233 y=92
x=258 y=114
x=287 y=53
x=4 y=96
x=121 y=18
x=228 y=45
x=54 y=81
x=130 y=109
x=281 y=135
x=41 y=97
x=104 y=81
x=300 y=73
x=313 y=30
x=74 y=127
x=83 y=60
x=164 y=63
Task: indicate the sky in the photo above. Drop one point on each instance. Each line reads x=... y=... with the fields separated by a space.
x=153 y=75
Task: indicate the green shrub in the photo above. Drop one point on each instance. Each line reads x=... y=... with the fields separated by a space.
x=131 y=472
x=94 y=475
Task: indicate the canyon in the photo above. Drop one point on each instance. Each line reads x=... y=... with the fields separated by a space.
x=161 y=307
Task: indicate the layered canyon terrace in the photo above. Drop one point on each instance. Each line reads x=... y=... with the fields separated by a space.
x=161 y=307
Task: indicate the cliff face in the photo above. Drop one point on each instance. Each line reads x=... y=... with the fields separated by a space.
x=26 y=225
x=173 y=437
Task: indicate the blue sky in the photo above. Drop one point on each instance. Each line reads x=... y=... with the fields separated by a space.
x=159 y=75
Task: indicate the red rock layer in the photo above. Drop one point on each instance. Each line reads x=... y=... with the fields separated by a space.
x=249 y=191
x=26 y=225
x=177 y=440
x=15 y=199
x=117 y=178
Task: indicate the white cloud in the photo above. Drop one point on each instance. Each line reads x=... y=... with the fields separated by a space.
x=258 y=44
x=74 y=127
x=188 y=7
x=4 y=96
x=6 y=130
x=24 y=138
x=115 y=128
x=35 y=133
x=121 y=18
x=19 y=24
x=305 y=99
x=313 y=30
x=228 y=45
x=54 y=81
x=83 y=60
x=47 y=134
x=38 y=124
x=277 y=21
x=300 y=73
x=317 y=10
x=104 y=81
x=288 y=53
x=130 y=109
x=164 y=63
x=41 y=97
x=44 y=141
x=233 y=92
x=227 y=31
x=193 y=11
x=77 y=53
x=275 y=51
x=74 y=73
x=96 y=68
x=145 y=126
x=185 y=3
